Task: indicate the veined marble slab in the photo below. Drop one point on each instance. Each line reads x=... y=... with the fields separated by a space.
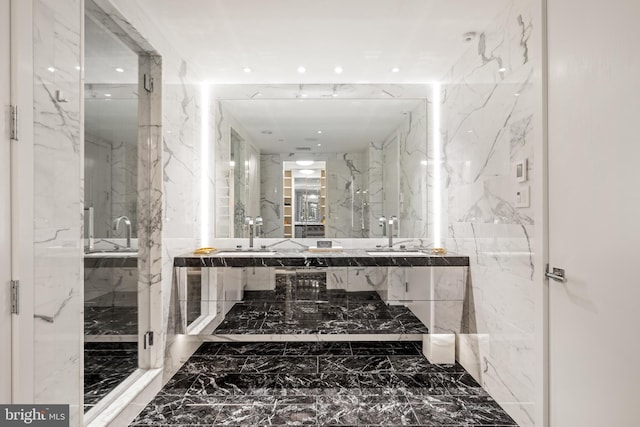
x=351 y=258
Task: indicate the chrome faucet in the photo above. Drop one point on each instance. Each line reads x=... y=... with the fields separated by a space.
x=382 y=222
x=248 y=222
x=392 y=221
x=258 y=226
x=127 y=226
x=253 y=225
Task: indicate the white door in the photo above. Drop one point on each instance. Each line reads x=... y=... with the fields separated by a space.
x=5 y=205
x=594 y=212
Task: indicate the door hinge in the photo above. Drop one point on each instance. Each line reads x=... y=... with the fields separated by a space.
x=148 y=339
x=14 y=123
x=148 y=83
x=15 y=296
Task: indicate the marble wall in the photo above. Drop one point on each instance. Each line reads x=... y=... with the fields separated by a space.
x=397 y=176
x=180 y=175
x=271 y=198
x=345 y=211
x=488 y=100
x=238 y=186
x=58 y=205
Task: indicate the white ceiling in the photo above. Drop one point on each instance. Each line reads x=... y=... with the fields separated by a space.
x=365 y=37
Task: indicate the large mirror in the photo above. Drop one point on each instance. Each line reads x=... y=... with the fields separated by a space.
x=111 y=132
x=111 y=164
x=368 y=141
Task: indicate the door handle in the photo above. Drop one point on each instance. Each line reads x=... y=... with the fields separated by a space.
x=556 y=274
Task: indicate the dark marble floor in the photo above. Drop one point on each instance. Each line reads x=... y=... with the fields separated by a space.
x=339 y=384
x=316 y=310
x=110 y=320
x=105 y=366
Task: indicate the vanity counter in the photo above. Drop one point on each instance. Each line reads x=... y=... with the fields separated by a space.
x=302 y=258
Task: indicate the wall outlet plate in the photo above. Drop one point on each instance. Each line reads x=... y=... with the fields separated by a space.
x=522 y=197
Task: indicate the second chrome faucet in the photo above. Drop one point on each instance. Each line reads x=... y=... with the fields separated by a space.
x=255 y=228
x=388 y=227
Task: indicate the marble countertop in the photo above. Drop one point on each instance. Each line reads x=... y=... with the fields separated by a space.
x=303 y=258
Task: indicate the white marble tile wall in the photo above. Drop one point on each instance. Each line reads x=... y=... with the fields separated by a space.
x=412 y=211
x=397 y=177
x=58 y=204
x=246 y=174
x=271 y=202
x=344 y=210
x=487 y=111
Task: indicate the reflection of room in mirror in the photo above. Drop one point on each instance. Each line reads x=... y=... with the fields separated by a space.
x=304 y=198
x=373 y=145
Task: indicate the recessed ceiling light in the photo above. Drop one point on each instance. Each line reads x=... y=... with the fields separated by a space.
x=232 y=163
x=78 y=67
x=51 y=69
x=423 y=162
x=516 y=94
x=306 y=171
x=502 y=70
x=120 y=70
x=304 y=162
x=319 y=145
x=246 y=69
x=395 y=70
x=319 y=131
x=304 y=95
x=338 y=70
x=334 y=94
x=469 y=131
x=108 y=95
x=302 y=70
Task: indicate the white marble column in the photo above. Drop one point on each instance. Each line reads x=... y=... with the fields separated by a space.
x=58 y=205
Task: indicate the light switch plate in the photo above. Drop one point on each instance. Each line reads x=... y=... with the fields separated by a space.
x=522 y=197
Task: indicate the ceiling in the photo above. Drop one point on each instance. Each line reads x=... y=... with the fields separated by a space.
x=367 y=38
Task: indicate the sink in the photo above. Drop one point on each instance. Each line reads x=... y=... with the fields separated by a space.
x=244 y=253
x=396 y=253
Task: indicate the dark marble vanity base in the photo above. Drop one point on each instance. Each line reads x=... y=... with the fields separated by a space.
x=320 y=312
x=110 y=320
x=105 y=366
x=339 y=384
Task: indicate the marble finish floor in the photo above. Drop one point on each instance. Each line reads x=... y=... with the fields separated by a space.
x=105 y=366
x=318 y=311
x=327 y=383
x=110 y=320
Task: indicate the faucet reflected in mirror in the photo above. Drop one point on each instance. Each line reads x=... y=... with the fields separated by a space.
x=254 y=226
x=127 y=226
x=388 y=227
